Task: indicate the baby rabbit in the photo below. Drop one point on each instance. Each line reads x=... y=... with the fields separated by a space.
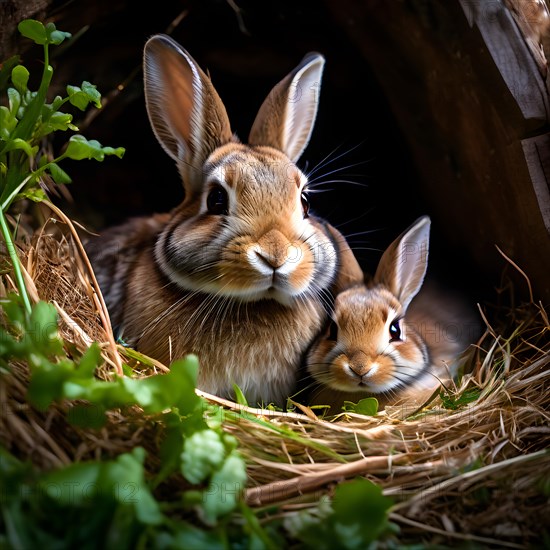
x=381 y=342
x=239 y=272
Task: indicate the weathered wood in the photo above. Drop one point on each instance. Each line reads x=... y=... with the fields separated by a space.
x=537 y=155
x=512 y=55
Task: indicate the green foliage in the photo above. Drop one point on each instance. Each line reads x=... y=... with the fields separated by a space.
x=42 y=34
x=454 y=402
x=29 y=117
x=357 y=516
x=239 y=396
x=26 y=118
x=367 y=406
x=205 y=455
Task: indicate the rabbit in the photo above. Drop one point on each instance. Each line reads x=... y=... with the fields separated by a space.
x=241 y=272
x=392 y=338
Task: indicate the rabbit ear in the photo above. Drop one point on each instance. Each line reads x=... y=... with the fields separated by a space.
x=404 y=263
x=185 y=111
x=285 y=119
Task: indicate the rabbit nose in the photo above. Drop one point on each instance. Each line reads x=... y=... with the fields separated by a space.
x=358 y=368
x=274 y=249
x=360 y=364
x=269 y=259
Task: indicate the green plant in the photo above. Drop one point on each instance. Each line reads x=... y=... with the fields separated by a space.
x=455 y=402
x=367 y=406
x=25 y=121
x=198 y=449
x=356 y=517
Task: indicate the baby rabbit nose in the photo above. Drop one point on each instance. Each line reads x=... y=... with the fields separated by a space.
x=359 y=363
x=358 y=369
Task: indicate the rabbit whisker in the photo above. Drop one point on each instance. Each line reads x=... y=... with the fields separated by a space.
x=327 y=182
x=361 y=233
x=327 y=160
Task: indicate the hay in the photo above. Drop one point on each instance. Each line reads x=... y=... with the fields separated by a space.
x=472 y=473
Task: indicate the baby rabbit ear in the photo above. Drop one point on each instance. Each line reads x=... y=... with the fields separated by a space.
x=404 y=263
x=185 y=111
x=285 y=119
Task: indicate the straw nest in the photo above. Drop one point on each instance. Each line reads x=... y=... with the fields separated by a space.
x=478 y=472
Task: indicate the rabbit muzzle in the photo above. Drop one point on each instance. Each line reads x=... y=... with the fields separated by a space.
x=279 y=265
x=364 y=372
x=361 y=368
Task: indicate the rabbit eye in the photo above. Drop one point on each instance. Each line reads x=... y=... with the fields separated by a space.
x=333 y=331
x=217 y=201
x=305 y=204
x=395 y=331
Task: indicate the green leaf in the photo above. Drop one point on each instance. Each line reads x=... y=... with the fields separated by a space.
x=193 y=538
x=80 y=148
x=74 y=484
x=35 y=194
x=184 y=373
x=361 y=505
x=14 y=99
x=175 y=389
x=7 y=123
x=13 y=310
x=54 y=36
x=47 y=381
x=33 y=109
x=171 y=447
x=366 y=407
x=58 y=174
x=56 y=103
x=454 y=402
x=22 y=145
x=89 y=361
x=125 y=478
x=239 y=396
x=357 y=517
x=77 y=97
x=20 y=78
x=203 y=452
x=91 y=91
x=43 y=328
x=224 y=490
x=56 y=121
x=35 y=30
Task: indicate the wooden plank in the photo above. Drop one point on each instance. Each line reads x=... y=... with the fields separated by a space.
x=511 y=54
x=537 y=155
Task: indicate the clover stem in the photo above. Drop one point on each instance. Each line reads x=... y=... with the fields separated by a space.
x=20 y=283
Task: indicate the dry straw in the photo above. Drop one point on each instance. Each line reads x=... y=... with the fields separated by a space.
x=480 y=472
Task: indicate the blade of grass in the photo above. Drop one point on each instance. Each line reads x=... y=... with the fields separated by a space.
x=10 y=245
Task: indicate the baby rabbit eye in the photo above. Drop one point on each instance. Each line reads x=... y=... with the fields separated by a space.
x=395 y=331
x=217 y=201
x=333 y=331
x=305 y=204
